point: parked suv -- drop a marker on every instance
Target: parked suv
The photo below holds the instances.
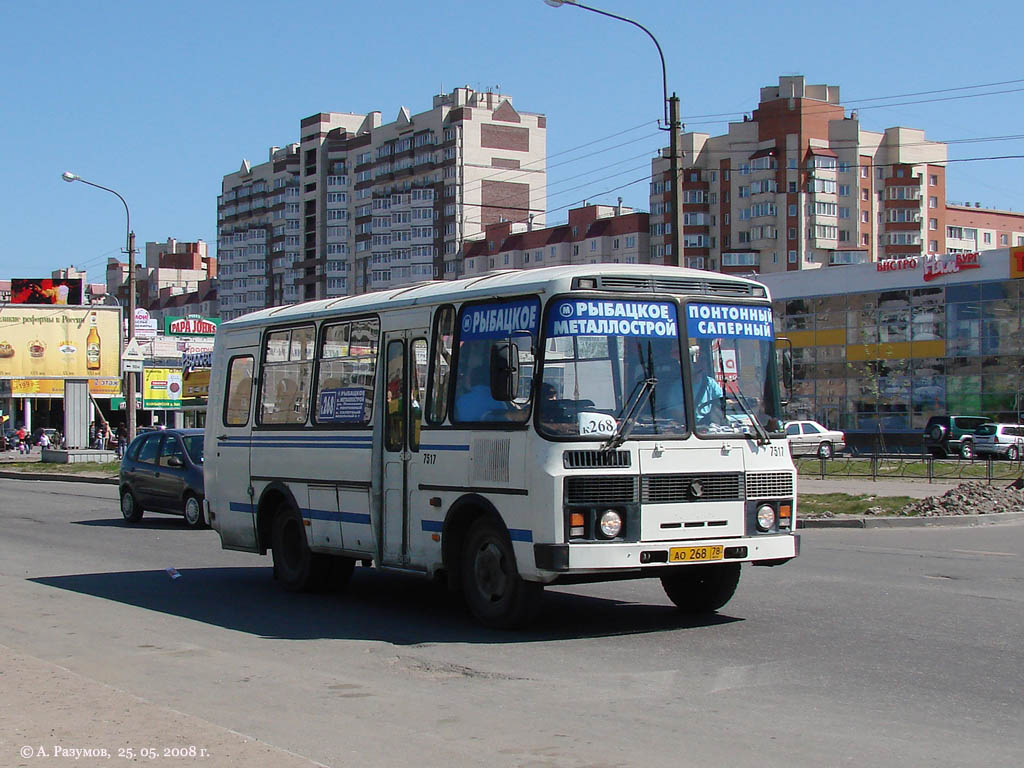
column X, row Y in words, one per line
column 1005, row 440
column 952, row 435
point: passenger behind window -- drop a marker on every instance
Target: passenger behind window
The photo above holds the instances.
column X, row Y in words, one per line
column 475, row 403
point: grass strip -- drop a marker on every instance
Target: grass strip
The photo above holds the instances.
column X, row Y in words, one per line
column 817, row 504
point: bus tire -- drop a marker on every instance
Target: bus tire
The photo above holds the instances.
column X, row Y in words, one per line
column 296, row 568
column 701, row 588
column 495, row 593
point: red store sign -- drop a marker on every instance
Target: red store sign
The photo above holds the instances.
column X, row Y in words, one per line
column 949, row 264
column 934, row 265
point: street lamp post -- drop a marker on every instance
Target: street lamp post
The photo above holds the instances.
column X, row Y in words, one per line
column 673, row 125
column 129, row 406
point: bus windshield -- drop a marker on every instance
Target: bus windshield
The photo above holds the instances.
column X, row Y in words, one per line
column 597, row 356
column 732, row 369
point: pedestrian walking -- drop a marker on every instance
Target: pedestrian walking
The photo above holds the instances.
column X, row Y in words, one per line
column 122, row 440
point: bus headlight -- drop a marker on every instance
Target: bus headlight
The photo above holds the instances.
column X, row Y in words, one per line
column 765, row 517
column 610, row 523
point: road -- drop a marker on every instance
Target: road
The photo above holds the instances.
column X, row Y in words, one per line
column 875, row 647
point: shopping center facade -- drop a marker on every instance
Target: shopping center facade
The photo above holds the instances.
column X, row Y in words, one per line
column 882, row 346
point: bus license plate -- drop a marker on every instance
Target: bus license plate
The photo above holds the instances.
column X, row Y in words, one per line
column 695, row 554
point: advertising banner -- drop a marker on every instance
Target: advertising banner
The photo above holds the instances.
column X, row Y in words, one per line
column 101, row 388
column 1017, row 262
column 59, row 342
column 45, row 290
column 195, row 388
column 161, row 388
column 192, row 325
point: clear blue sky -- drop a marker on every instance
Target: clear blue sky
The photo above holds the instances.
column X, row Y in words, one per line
column 160, row 100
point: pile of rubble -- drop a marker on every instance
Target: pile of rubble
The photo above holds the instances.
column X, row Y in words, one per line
column 965, row 499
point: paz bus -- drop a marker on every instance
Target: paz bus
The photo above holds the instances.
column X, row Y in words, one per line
column 505, row 432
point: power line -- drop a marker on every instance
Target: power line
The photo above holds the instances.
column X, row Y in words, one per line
column 828, row 107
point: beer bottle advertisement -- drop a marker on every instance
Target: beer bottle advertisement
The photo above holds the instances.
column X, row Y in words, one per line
column 38, row 342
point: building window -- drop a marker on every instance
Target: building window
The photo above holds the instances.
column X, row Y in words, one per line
column 792, row 257
column 792, row 209
column 865, row 194
column 933, row 202
column 864, row 171
column 933, row 180
column 1004, row 239
column 933, row 246
column 933, row 224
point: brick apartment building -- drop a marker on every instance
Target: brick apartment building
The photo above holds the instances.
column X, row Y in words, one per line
column 358, row 205
column 801, row 185
column 594, row 234
column 171, row 269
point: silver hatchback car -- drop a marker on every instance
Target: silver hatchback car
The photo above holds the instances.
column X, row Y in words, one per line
column 1005, row 440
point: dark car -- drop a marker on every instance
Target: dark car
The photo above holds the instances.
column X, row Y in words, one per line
column 952, row 435
column 163, row 472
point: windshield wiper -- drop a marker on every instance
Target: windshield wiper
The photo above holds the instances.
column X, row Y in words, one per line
column 763, row 438
column 631, row 409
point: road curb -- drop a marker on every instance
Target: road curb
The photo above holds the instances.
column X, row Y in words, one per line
column 57, row 477
column 912, row 522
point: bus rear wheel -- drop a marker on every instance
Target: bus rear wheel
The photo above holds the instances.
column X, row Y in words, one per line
column 296, row 567
column 701, row 588
column 495, row 593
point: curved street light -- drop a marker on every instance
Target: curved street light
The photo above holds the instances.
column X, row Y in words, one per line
column 129, row 407
column 672, row 122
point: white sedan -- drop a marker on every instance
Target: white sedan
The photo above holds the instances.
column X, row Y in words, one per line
column 811, row 438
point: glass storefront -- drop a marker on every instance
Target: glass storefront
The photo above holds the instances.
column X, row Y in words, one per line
column 890, row 359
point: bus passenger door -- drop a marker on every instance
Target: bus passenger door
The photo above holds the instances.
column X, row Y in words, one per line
column 405, row 378
column 228, row 485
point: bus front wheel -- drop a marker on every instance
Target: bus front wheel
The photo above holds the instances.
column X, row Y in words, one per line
column 701, row 588
column 494, row 591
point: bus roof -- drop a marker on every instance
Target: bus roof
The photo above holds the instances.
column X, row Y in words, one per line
column 634, row 278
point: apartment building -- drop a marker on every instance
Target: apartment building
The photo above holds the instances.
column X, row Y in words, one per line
column 594, row 234
column 360, row 205
column 801, row 185
column 259, row 234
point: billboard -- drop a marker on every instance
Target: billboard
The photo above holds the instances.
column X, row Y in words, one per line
column 60, row 342
column 46, row 290
column 161, row 388
column 101, row 388
column 195, row 388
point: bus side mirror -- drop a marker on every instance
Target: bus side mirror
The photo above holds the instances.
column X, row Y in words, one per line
column 785, row 363
column 504, row 371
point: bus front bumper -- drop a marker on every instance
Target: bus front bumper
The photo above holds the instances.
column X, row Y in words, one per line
column 599, row 557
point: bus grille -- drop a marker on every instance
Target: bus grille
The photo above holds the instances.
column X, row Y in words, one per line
column 769, row 485
column 662, row 489
column 600, row 490
column 588, row 459
column 697, row 286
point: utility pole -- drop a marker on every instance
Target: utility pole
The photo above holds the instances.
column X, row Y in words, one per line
column 675, row 171
column 129, row 405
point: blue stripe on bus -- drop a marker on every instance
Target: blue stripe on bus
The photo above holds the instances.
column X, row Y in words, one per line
column 238, row 506
column 335, row 516
column 520, row 534
column 432, row 525
column 425, row 447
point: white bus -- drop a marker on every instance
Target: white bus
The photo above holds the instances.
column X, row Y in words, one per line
column 523, row 428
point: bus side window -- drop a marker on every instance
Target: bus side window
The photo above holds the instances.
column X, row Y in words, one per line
column 288, row 365
column 239, row 392
column 440, row 365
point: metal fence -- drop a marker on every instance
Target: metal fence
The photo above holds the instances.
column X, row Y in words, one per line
column 896, row 466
